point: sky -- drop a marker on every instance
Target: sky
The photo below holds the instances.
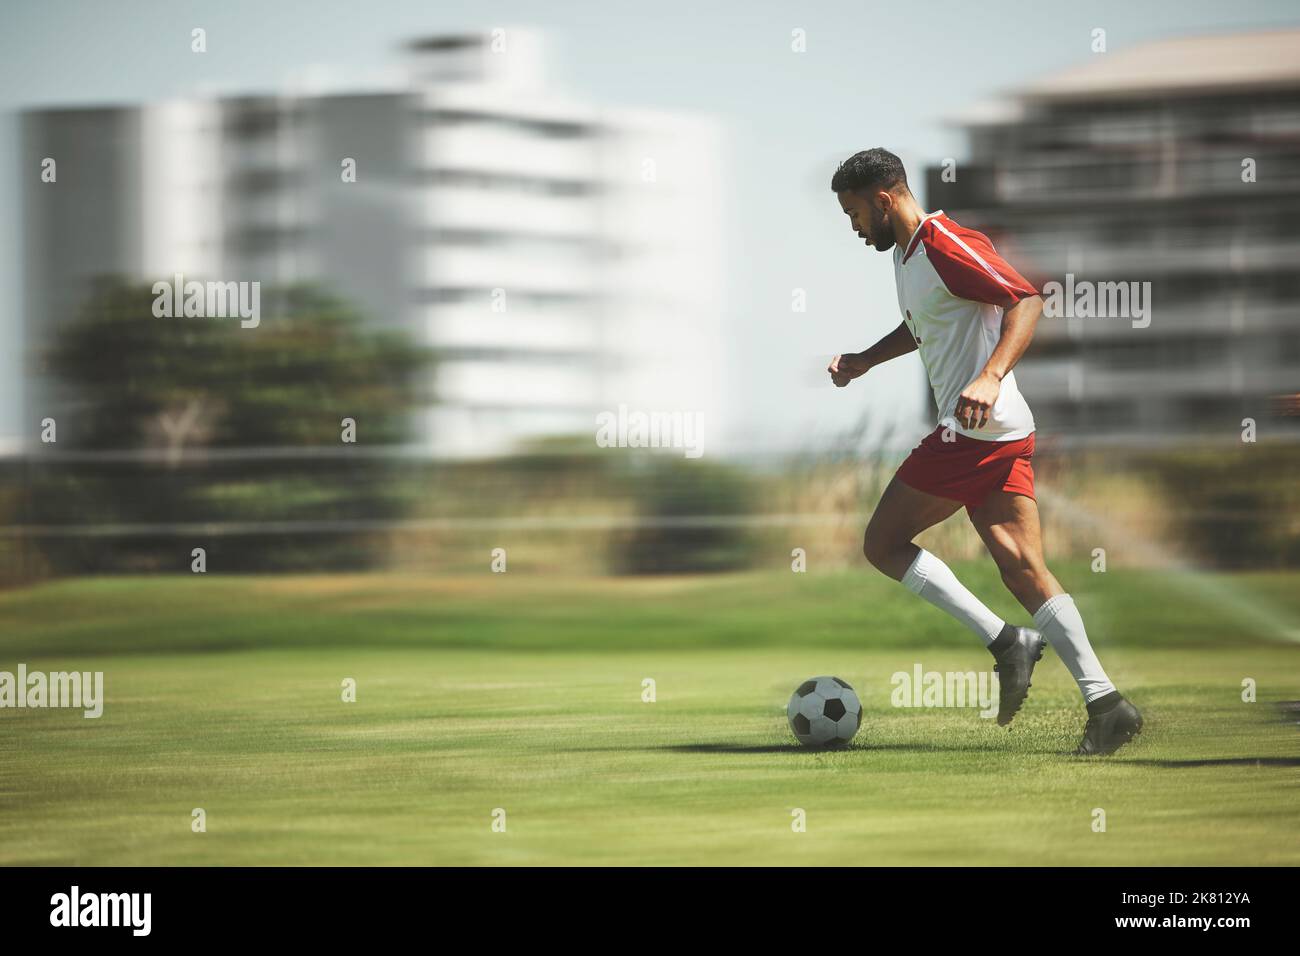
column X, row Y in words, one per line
column 873, row 74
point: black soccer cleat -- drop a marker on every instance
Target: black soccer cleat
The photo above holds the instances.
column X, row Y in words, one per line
column 1106, row 733
column 1014, row 667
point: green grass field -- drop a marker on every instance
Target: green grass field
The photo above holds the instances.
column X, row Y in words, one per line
column 524, row 692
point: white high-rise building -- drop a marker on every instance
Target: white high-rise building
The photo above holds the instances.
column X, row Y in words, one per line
column 561, row 258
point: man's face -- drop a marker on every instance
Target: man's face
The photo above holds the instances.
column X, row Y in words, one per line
column 868, row 219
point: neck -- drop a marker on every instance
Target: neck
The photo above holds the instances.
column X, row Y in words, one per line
column 907, row 216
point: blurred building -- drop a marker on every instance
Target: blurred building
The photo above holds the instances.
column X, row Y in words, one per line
column 562, row 258
column 1130, row 169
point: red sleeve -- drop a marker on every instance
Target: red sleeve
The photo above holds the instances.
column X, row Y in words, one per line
column 970, row 267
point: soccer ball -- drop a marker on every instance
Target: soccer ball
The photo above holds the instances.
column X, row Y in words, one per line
column 824, row 712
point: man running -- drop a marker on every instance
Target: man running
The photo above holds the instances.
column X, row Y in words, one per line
column 970, row 316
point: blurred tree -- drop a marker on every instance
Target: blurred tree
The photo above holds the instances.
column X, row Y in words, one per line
column 1235, row 507
column 274, row 397
column 193, row 383
column 693, row 514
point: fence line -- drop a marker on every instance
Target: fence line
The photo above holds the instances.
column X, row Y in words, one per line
column 516, row 523
column 511, row 523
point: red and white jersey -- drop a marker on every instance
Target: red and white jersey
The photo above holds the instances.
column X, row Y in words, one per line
column 952, row 290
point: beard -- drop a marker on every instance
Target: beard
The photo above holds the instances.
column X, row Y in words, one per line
column 883, row 235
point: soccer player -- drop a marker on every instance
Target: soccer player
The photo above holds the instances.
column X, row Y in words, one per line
column 970, row 316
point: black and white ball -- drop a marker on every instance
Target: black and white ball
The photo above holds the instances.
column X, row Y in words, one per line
column 824, row 712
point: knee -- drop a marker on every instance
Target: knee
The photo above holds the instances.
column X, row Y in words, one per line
column 877, row 548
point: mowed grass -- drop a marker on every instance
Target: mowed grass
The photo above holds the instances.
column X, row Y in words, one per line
column 524, row 692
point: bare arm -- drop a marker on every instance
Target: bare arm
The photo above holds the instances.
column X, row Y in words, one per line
column 975, row 404
column 845, row 368
column 1018, row 324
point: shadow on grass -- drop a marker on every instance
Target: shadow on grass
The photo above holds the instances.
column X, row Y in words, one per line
column 794, row 748
column 722, row 748
column 1223, row 762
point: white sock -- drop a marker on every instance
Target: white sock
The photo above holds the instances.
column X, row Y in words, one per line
column 1060, row 622
column 933, row 580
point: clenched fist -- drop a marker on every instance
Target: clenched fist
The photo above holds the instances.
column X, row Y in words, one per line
column 975, row 404
column 845, row 368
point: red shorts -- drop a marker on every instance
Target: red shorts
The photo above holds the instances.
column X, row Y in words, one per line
column 969, row 469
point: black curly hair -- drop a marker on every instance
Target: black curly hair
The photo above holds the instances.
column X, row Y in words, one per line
column 870, row 169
